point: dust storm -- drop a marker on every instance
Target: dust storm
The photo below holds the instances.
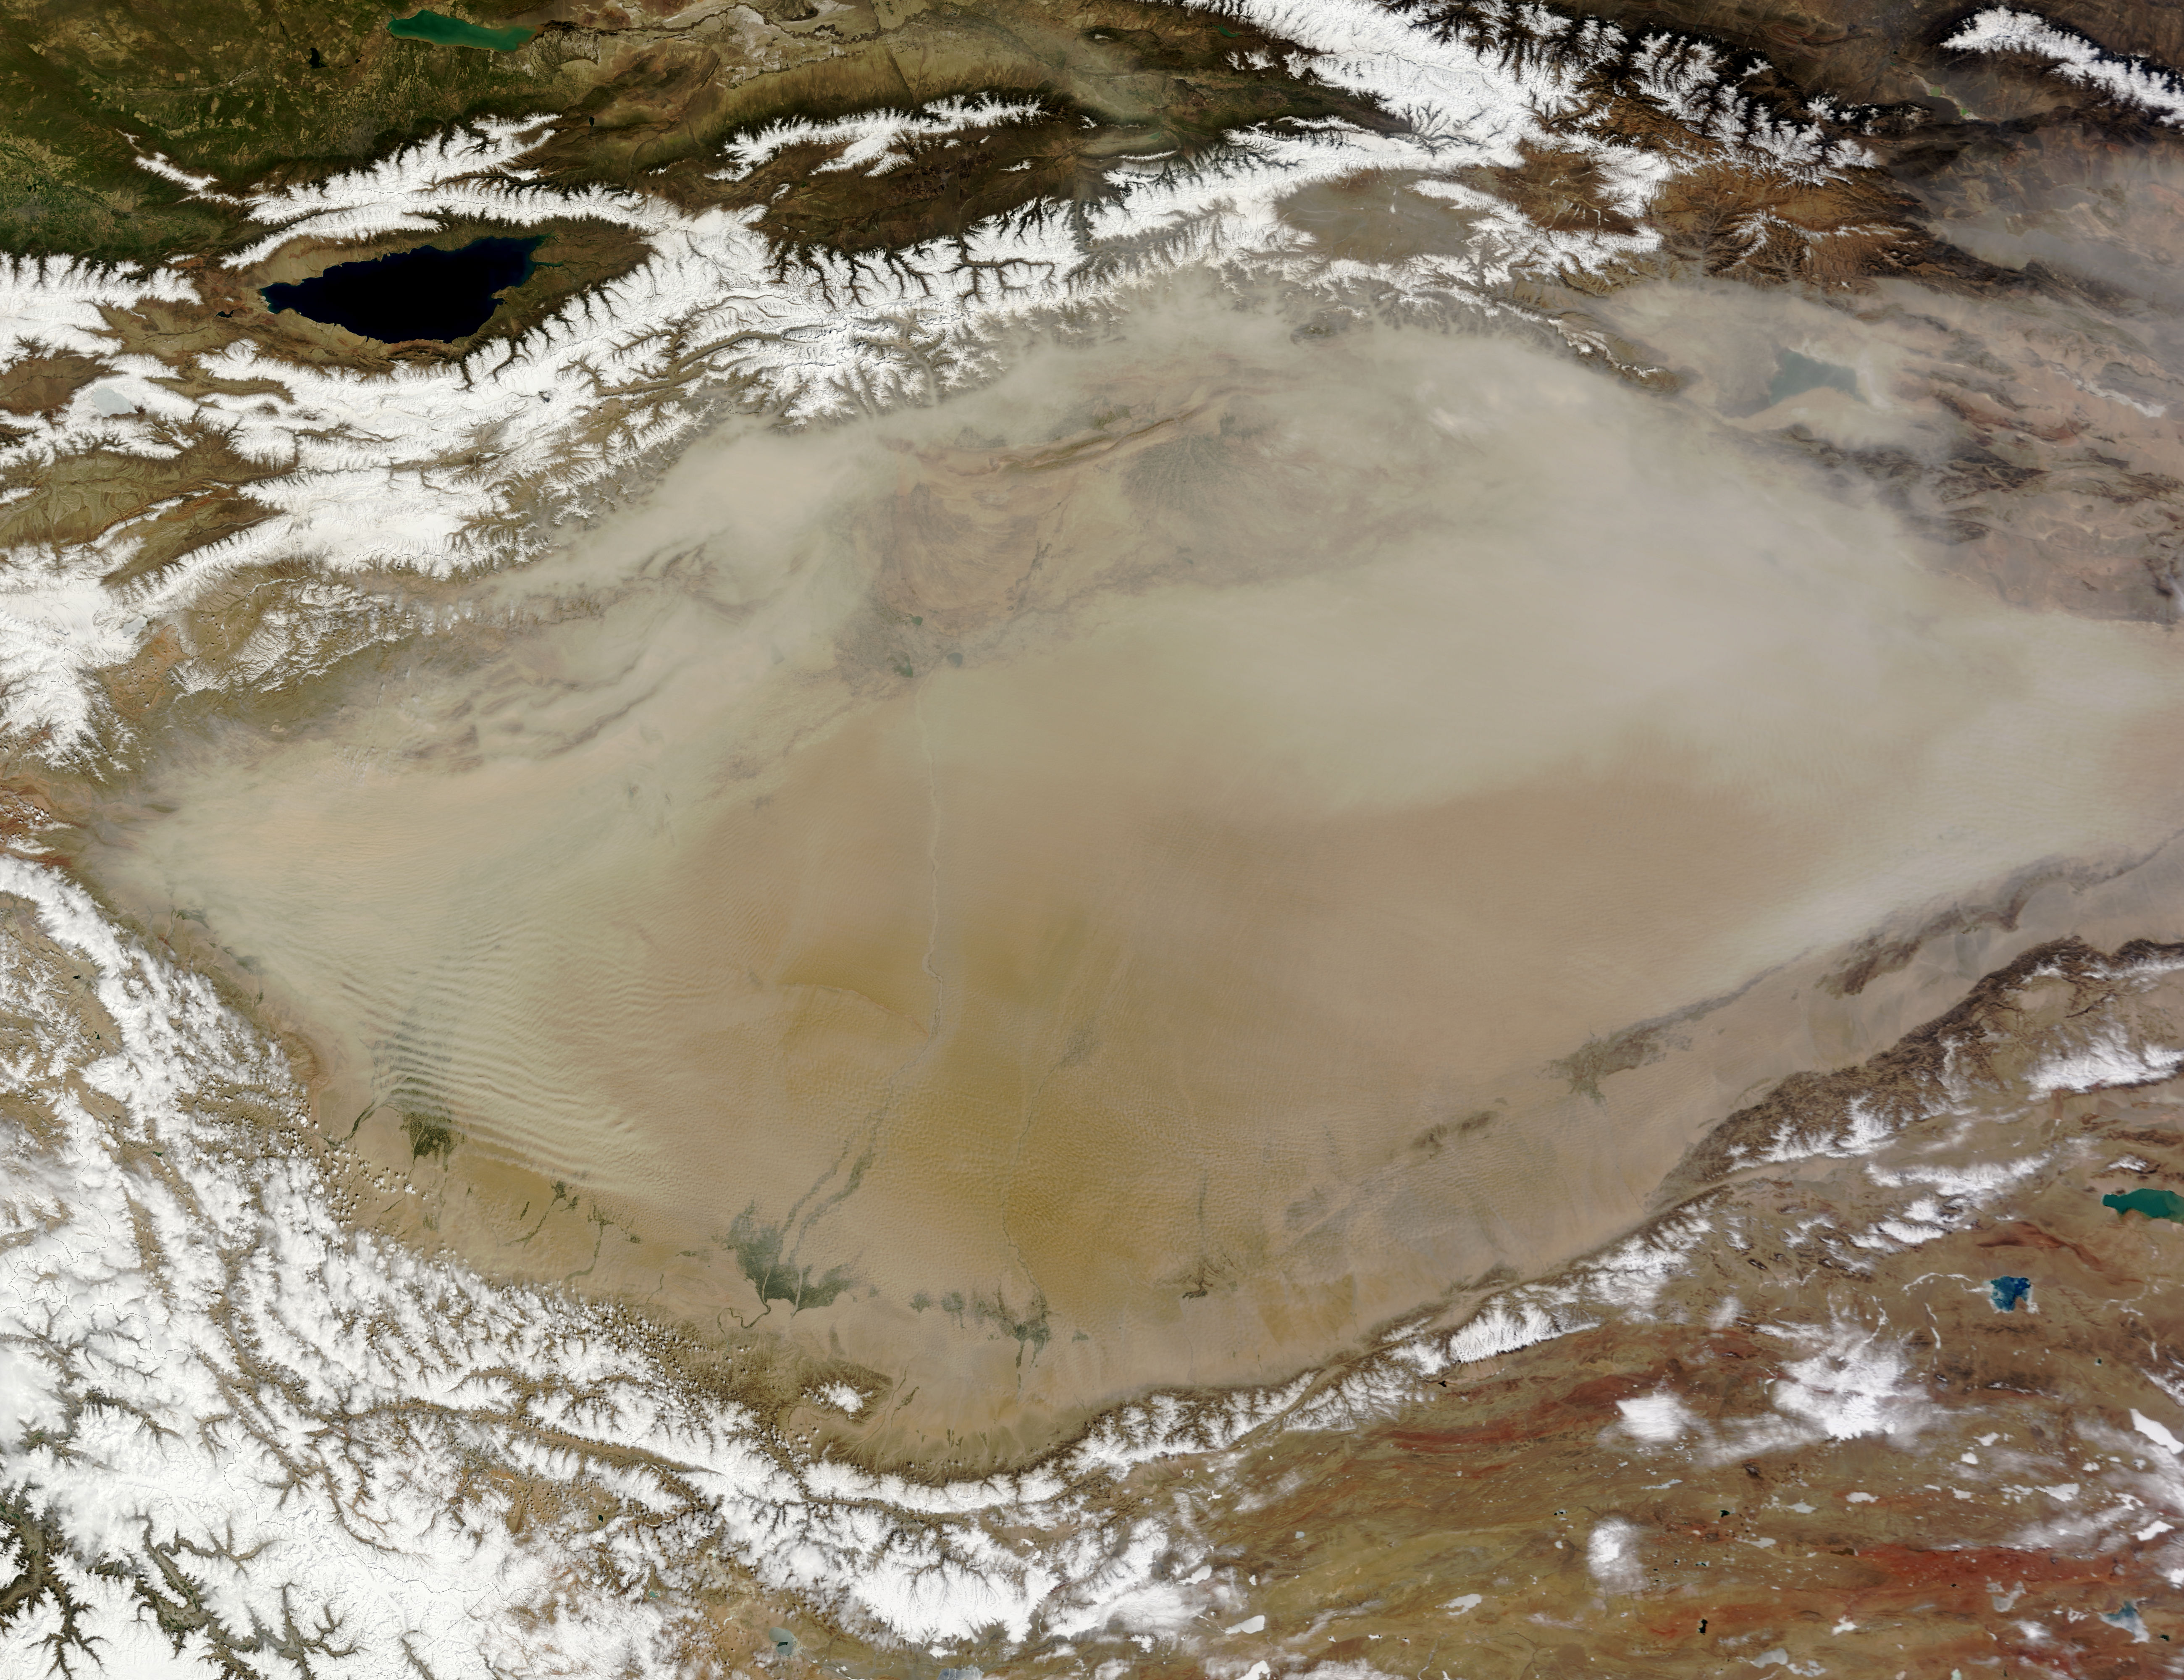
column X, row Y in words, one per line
column 1143, row 873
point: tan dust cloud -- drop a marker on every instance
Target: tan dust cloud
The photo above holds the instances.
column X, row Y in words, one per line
column 1084, row 887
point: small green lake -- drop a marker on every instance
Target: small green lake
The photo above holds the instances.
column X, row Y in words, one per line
column 446, row 32
column 2153, row 1203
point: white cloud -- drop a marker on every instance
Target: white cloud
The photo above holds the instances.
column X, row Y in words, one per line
column 1859, row 1383
column 1611, row 1554
column 1656, row 1419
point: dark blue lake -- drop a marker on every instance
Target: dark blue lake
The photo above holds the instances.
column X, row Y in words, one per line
column 425, row 293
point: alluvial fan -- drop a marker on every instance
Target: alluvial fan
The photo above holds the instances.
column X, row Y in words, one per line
column 1030, row 839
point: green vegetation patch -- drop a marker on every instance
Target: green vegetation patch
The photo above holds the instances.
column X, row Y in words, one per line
column 259, row 98
column 446, row 32
column 764, row 1255
column 430, row 1135
column 247, row 96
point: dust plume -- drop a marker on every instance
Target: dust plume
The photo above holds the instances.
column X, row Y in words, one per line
column 1105, row 881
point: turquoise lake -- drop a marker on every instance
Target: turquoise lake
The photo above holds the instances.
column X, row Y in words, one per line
column 445, row 31
column 2153, row 1203
column 1794, row 374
